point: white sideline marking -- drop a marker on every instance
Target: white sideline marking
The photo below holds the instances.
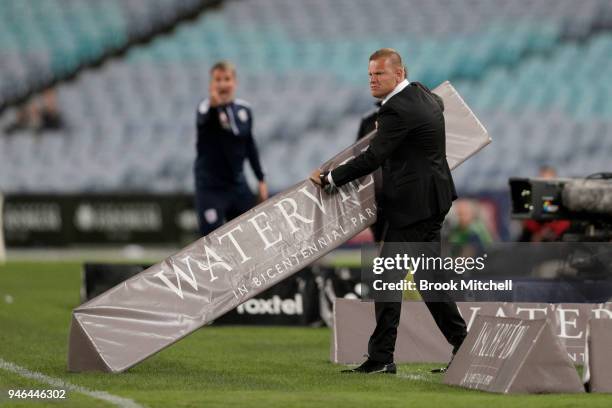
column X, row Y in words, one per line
column 59, row 383
column 413, row 377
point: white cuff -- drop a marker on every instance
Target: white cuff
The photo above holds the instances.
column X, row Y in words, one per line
column 330, row 179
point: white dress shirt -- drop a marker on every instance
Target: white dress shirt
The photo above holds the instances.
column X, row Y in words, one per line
column 399, row 88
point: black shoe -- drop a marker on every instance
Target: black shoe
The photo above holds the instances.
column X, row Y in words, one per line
column 373, row 367
column 444, row 369
column 440, row 370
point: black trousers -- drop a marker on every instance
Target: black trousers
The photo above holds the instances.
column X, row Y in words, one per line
column 443, row 309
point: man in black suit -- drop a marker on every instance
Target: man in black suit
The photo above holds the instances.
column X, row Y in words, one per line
column 417, row 193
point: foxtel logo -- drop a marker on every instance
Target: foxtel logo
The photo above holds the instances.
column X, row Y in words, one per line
column 273, row 306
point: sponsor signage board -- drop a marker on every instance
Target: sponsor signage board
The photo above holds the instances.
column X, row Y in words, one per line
column 354, row 322
column 509, row 355
column 59, row 220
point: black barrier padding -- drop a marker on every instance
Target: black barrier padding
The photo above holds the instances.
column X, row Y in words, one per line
column 66, row 219
column 99, row 277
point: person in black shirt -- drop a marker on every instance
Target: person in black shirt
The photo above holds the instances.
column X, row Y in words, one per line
column 224, row 141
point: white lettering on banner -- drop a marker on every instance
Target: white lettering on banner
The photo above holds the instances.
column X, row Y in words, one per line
column 474, row 311
column 260, row 230
column 272, row 306
column 344, row 190
column 370, row 178
column 598, row 313
column 362, row 186
column 242, row 290
column 32, row 217
column 318, row 202
column 475, row 380
column 209, row 252
column 288, row 208
column 564, row 322
column 362, row 219
column 500, row 313
column 294, row 213
column 576, row 357
column 499, row 340
column 112, row 217
column 231, row 237
column 190, row 279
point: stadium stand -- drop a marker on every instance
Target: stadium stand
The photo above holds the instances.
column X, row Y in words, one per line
column 538, row 73
column 42, row 41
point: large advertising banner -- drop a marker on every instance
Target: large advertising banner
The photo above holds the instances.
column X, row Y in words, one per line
column 509, row 355
column 419, row 340
column 239, row 260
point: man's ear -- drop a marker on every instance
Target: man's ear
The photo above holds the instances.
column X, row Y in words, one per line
column 399, row 74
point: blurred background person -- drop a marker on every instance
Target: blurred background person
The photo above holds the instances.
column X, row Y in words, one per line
column 40, row 114
column 468, row 235
column 26, row 118
column 50, row 116
column 224, row 141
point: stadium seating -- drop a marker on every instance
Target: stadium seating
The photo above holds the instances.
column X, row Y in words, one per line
column 44, row 39
column 537, row 73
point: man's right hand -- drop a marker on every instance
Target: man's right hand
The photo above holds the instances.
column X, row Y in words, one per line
column 315, row 177
column 262, row 193
column 213, row 96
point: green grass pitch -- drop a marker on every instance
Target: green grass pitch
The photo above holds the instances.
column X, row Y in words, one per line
column 215, row 367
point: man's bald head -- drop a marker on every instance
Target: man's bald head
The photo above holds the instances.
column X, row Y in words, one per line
column 385, row 70
column 396, row 58
column 389, row 53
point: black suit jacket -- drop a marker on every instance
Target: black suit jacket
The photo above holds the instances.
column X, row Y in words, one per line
column 411, row 148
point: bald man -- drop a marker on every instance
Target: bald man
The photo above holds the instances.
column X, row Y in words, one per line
column 417, row 193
